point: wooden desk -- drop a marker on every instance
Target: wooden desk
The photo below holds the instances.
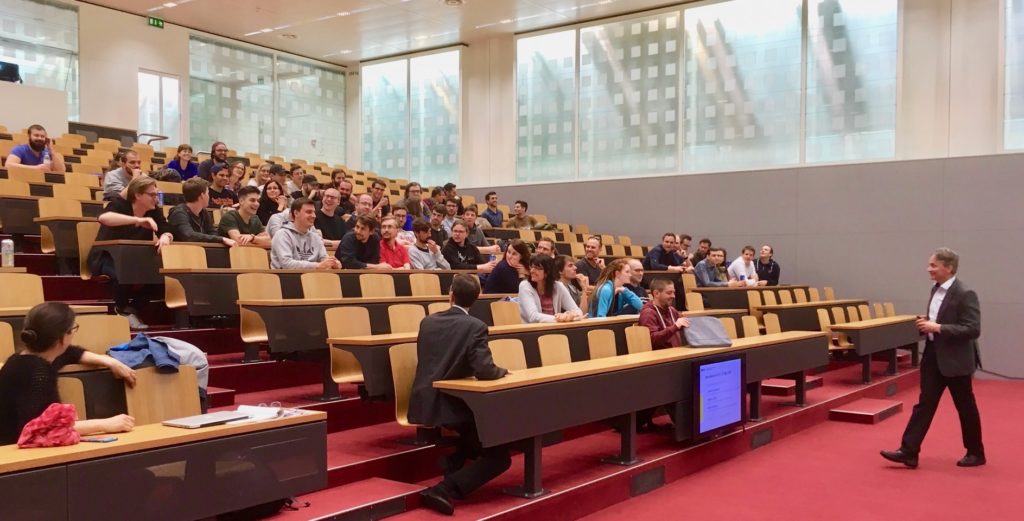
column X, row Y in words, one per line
column 214, row 291
column 16, row 318
column 14, row 269
column 298, row 325
column 136, row 262
column 530, row 403
column 372, row 351
column 18, row 214
column 882, row 334
column 804, row 316
column 737, row 297
column 207, row 471
column 65, row 238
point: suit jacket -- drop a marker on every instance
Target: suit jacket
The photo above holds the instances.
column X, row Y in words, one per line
column 450, row 345
column 956, row 345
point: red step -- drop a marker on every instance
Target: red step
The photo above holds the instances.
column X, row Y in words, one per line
column 38, row 263
column 787, row 387
column 373, row 498
column 212, row 340
column 865, row 410
column 219, row 397
column 72, row 287
column 261, row 377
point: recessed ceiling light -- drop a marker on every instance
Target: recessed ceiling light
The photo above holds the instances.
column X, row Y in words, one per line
column 289, row 36
column 453, row 3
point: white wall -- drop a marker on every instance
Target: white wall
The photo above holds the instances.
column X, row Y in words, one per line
column 35, row 106
column 113, row 47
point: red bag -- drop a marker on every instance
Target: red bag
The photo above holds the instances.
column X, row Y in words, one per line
column 54, row 428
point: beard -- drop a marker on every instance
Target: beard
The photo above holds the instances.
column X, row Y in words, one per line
column 37, row 145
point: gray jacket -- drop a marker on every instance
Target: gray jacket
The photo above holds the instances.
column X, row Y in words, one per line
column 114, row 182
column 529, row 302
column 278, row 220
column 425, row 260
column 291, row 249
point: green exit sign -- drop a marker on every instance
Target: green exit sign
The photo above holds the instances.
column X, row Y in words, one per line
column 155, row 22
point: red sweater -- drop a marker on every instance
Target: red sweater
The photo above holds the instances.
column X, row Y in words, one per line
column 662, row 323
column 396, row 257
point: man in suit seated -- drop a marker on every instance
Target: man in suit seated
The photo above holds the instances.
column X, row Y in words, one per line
column 951, row 329
column 453, row 345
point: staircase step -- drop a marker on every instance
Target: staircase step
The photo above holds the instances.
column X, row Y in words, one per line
column 220, row 397
column 261, row 377
column 786, row 387
column 38, row 263
column 865, row 410
column 72, row 287
column 212, row 340
column 373, row 498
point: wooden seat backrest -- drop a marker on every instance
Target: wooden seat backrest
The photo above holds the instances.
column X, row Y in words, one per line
column 321, row 285
column 508, row 353
column 554, row 349
column 345, row 321
column 601, row 343
column 403, row 372
column 405, row 318
column 160, row 396
column 638, row 339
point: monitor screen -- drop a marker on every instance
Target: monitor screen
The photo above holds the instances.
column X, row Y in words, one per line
column 720, row 402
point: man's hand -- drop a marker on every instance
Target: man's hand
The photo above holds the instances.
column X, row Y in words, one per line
column 432, row 246
column 600, row 263
column 244, row 239
column 230, row 243
column 164, row 240
column 682, row 322
column 487, row 267
column 328, row 264
column 762, row 283
column 146, row 222
column 927, row 326
column 676, row 268
column 736, row 283
column 382, row 266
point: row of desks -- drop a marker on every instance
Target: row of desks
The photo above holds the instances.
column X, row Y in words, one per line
column 157, row 472
column 725, row 297
column 527, row 404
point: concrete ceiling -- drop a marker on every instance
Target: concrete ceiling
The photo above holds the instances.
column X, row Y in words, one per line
column 348, row 31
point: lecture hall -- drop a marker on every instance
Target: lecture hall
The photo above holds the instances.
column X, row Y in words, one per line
column 510, row 259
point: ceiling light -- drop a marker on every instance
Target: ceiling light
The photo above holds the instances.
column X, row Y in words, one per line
column 343, row 13
column 506, row 21
column 289, row 36
column 453, row 3
column 170, row 5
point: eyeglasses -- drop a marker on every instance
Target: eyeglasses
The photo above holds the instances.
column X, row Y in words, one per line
column 151, row 194
column 74, row 329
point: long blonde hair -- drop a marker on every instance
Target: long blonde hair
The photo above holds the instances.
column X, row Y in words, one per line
column 608, row 274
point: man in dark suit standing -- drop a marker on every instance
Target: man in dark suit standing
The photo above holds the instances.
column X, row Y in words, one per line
column 950, row 357
column 453, row 345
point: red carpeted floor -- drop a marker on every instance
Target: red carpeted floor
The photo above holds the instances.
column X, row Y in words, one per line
column 833, row 471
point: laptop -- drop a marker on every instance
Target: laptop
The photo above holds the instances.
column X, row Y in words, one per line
column 206, row 420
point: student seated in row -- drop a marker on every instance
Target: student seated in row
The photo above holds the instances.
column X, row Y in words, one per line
column 242, row 225
column 190, row 222
column 297, row 245
column 28, row 380
column 610, row 296
column 542, row 298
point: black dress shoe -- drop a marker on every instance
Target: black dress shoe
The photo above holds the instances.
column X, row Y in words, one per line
column 971, row 460
column 435, row 498
column 899, row 456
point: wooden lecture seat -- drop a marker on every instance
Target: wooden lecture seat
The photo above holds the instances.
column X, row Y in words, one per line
column 318, row 284
column 601, row 343
column 638, row 339
column 508, row 353
column 163, row 396
column 347, row 321
column 505, row 313
column 554, row 349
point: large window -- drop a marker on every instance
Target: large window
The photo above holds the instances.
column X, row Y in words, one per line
column 727, row 85
column 1013, row 103
column 742, row 84
column 851, row 79
column 263, row 103
column 41, row 39
column 160, row 107
column 546, row 97
column 411, row 117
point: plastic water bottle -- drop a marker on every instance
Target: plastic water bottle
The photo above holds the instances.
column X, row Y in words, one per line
column 7, row 248
column 160, row 198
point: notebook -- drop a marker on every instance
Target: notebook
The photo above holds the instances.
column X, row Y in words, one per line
column 206, row 420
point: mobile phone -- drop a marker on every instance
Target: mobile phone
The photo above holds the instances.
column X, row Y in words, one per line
column 99, row 439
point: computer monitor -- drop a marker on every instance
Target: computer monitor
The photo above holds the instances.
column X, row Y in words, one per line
column 719, row 395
